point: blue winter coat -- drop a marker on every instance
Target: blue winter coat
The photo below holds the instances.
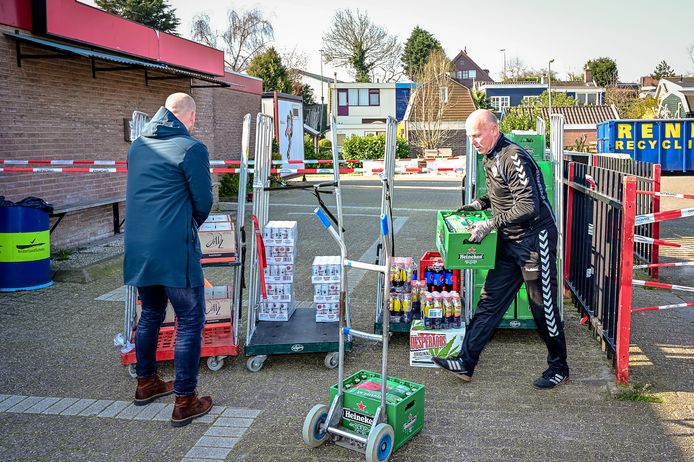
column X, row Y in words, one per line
column 169, row 195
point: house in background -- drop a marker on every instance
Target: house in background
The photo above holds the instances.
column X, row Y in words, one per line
column 320, row 84
column 457, row 104
column 675, row 97
column 467, row 72
column 504, row 95
column 580, row 122
column 362, row 108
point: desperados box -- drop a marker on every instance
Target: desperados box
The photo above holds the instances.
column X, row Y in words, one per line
column 452, row 241
column 404, row 404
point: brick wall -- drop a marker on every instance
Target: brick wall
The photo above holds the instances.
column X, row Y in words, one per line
column 54, row 109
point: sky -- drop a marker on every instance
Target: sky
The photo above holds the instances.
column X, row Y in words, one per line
column 637, row 34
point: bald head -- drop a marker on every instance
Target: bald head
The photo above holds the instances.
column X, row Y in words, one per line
column 182, row 106
column 482, row 127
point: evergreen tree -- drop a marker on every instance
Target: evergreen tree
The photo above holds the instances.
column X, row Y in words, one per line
column 418, row 47
column 153, row 13
column 268, row 66
column 604, row 71
column 662, row 70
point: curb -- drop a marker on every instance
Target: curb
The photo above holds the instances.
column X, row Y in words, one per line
column 91, row 272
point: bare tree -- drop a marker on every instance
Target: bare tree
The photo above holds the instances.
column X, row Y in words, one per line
column 355, row 42
column 247, row 33
column 391, row 70
column 514, row 69
column 430, row 101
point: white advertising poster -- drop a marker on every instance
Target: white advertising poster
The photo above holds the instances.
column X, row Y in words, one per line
column 291, row 129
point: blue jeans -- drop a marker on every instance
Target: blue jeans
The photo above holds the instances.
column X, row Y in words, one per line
column 189, row 305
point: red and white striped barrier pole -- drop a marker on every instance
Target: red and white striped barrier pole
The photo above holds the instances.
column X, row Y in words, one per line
column 667, row 194
column 625, row 289
column 650, row 240
column 62, row 162
column 662, row 285
column 663, row 307
column 63, row 169
column 663, row 216
column 664, row 265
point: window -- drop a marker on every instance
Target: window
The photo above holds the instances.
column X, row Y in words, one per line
column 500, row 102
column 585, row 99
column 364, row 97
column 465, row 75
column 342, row 98
column 443, row 94
column 374, row 97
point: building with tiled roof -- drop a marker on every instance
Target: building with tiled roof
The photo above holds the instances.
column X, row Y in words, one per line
column 467, row 72
column 675, row 97
column 579, row 121
column 454, row 111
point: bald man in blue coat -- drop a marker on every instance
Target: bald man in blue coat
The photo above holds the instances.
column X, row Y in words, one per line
column 169, row 195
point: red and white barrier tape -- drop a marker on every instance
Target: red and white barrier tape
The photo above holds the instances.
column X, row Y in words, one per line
column 63, row 162
column 666, row 194
column 650, row 240
column 662, row 285
column 232, row 170
column 663, row 307
column 663, row 265
column 123, row 162
column 63, row 170
column 663, row 216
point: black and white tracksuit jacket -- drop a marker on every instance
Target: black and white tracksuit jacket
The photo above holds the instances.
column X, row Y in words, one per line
column 526, row 253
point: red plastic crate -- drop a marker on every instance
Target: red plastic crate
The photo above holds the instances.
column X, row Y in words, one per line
column 428, row 259
column 217, row 340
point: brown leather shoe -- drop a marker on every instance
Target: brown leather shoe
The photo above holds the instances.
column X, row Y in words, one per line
column 188, row 408
column 151, row 388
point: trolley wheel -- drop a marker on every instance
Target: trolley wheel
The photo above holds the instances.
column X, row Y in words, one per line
column 255, row 363
column 132, row 370
column 313, row 436
column 379, row 445
column 331, row 360
column 215, row 363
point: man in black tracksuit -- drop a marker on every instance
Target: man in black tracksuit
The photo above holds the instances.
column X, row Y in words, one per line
column 526, row 251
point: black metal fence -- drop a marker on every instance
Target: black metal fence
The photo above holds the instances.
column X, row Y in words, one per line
column 593, row 245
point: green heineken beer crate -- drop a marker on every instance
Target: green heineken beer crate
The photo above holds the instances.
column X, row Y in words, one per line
column 404, row 405
column 452, row 241
column 533, row 143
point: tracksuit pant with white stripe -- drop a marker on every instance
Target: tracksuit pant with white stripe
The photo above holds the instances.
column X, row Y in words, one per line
column 533, row 260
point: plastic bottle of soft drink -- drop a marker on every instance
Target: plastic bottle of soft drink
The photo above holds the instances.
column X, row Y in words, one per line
column 397, row 309
column 416, row 300
column 457, row 309
column 447, row 310
column 428, row 306
column 406, row 308
column 437, row 311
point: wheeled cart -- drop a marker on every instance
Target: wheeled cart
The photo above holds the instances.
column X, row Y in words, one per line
column 369, row 412
column 220, row 338
column 301, row 333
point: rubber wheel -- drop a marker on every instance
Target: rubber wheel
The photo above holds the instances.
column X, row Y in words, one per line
column 331, row 360
column 255, row 363
column 313, row 437
column 132, row 370
column 379, row 445
column 215, row 363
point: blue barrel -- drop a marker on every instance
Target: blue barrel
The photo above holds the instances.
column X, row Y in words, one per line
column 25, row 249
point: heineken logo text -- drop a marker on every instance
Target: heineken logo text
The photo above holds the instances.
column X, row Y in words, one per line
column 357, row 416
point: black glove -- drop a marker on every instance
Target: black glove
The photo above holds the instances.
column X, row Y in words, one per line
column 471, row 207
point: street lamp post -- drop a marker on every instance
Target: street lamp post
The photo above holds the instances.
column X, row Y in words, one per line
column 504, row 51
column 320, row 121
column 549, row 84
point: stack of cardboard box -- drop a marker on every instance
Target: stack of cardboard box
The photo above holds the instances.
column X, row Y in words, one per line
column 280, row 253
column 326, row 287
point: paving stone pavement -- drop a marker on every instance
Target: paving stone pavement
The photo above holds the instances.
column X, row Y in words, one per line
column 65, row 395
